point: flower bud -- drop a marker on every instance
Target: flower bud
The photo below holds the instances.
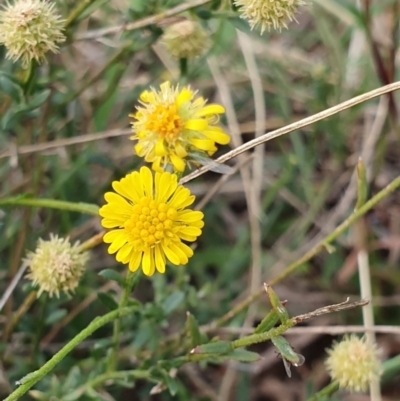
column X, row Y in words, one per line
column 353, row 363
column 56, row 265
column 186, row 39
column 29, row 29
column 268, row 13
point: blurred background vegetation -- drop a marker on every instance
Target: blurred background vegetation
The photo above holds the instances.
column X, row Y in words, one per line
column 64, row 135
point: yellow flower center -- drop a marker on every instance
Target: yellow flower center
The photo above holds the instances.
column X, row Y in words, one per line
column 150, row 222
column 165, row 122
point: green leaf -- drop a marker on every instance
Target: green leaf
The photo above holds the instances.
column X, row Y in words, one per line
column 277, row 304
column 55, row 316
column 107, row 300
column 172, row 302
column 11, row 87
column 80, row 207
column 267, row 323
column 171, row 383
column 37, row 100
column 113, row 275
column 192, row 328
column 242, row 355
column 239, row 24
column 218, row 347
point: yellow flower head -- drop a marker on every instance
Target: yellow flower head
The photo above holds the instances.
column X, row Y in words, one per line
column 149, row 219
column 353, row 363
column 172, row 126
column 56, row 265
column 268, row 13
column 186, row 39
column 29, row 29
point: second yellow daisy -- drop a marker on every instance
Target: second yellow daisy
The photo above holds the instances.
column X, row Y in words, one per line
column 171, row 125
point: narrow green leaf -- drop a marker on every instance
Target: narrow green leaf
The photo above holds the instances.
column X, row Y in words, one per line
column 277, row 304
column 267, row 323
column 11, row 87
column 218, row 348
column 242, row 355
column 172, row 302
column 192, row 328
column 107, row 300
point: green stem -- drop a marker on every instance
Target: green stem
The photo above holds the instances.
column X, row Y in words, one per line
column 130, row 281
column 77, row 11
column 330, row 389
column 79, row 207
column 31, row 379
column 313, row 251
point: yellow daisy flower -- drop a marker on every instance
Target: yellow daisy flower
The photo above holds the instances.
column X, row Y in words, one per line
column 149, row 219
column 172, row 126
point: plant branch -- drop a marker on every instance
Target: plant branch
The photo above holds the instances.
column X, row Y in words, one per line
column 313, row 251
column 31, row 379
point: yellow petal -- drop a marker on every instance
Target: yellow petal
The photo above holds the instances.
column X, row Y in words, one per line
column 111, row 223
column 203, row 144
column 190, row 230
column 210, row 109
column 184, row 96
column 148, row 263
column 172, row 256
column 189, row 216
column 139, row 149
column 159, row 259
column 183, row 259
column 134, row 263
column 160, row 149
column 217, row 135
column 188, row 238
column 112, row 235
column 186, row 249
column 178, row 163
column 180, row 151
column 156, row 165
column 146, row 176
column 181, row 198
column 123, row 254
column 118, row 243
column 196, row 124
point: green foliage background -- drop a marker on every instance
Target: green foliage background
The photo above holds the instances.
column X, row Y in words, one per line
column 64, row 136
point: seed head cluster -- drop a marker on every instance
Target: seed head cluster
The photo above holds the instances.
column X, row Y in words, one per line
column 29, row 29
column 353, row 363
column 186, row 39
column 56, row 265
column 268, row 13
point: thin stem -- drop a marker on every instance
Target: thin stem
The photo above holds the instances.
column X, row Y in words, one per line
column 153, row 19
column 293, row 127
column 130, row 281
column 31, row 379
